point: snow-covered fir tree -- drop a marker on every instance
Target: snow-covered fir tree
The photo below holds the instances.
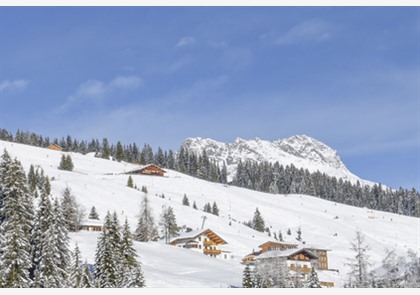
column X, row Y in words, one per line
column 169, row 227
column 76, row 270
column 46, row 251
column 215, row 209
column 93, row 214
column 17, row 221
column 247, row 278
column 146, row 228
column 72, row 211
column 131, row 274
column 107, row 255
column 87, row 280
column 358, row 275
column 257, row 222
column 185, row 200
column 130, row 182
column 313, row 280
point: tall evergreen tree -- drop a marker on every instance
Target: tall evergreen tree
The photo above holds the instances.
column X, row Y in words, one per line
column 17, row 215
column 313, row 280
column 168, row 224
column 131, row 273
column 358, row 276
column 106, row 153
column 76, row 270
column 257, row 222
column 119, row 156
column 72, row 211
column 93, row 214
column 215, row 209
column 185, row 200
column 107, row 255
column 146, row 229
column 130, row 182
column 247, row 280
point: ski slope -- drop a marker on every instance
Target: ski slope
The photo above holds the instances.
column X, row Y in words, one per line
column 98, row 182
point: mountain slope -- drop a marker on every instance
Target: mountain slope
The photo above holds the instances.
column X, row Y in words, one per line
column 97, row 182
column 302, row 151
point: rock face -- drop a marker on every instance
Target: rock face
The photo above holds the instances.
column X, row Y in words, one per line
column 300, row 150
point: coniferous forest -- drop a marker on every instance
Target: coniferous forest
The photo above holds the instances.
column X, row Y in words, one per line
column 266, row 177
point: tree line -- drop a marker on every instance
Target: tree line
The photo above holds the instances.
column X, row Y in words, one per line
column 279, row 179
column 199, row 166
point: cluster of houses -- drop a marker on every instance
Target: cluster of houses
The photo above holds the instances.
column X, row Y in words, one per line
column 300, row 258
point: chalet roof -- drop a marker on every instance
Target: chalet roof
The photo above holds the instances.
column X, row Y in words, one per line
column 279, row 243
column 194, row 234
column 287, row 253
column 91, row 222
column 314, row 247
column 143, row 167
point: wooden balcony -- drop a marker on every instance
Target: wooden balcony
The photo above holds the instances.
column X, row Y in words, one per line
column 212, row 252
column 209, row 243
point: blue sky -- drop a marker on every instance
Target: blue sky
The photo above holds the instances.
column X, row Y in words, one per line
column 347, row 76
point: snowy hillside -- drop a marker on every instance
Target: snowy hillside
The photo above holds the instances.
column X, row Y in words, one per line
column 302, row 151
column 97, row 182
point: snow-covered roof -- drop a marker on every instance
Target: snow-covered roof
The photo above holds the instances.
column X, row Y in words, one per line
column 193, row 234
column 286, row 253
column 314, row 247
column 92, row 222
column 143, row 167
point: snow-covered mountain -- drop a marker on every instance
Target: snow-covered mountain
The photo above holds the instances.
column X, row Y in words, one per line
column 98, row 182
column 300, row 150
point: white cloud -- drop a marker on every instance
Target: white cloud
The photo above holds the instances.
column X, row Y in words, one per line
column 15, row 85
column 94, row 90
column 310, row 30
column 185, row 41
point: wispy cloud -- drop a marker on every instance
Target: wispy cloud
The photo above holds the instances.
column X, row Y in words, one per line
column 94, row 90
column 186, row 41
column 12, row 86
column 308, row 31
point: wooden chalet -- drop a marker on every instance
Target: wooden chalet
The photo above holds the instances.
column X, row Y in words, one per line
column 55, row 147
column 150, row 169
column 93, row 225
column 322, row 254
column 203, row 241
column 301, row 258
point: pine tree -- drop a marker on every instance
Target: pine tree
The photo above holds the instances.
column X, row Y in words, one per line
column 86, row 280
column 131, row 273
column 62, row 239
column 207, row 208
column 185, row 201
column 299, row 234
column 120, row 152
column 168, row 224
column 72, row 212
column 313, row 280
column 195, row 206
column 130, row 182
column 258, row 222
column 215, row 209
column 146, row 229
column 144, row 189
column 69, row 163
column 247, row 281
column 93, row 214
column 105, row 149
column 289, row 232
column 107, row 255
column 76, row 270
column 281, row 236
column 46, row 251
column 358, row 276
column 17, row 214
